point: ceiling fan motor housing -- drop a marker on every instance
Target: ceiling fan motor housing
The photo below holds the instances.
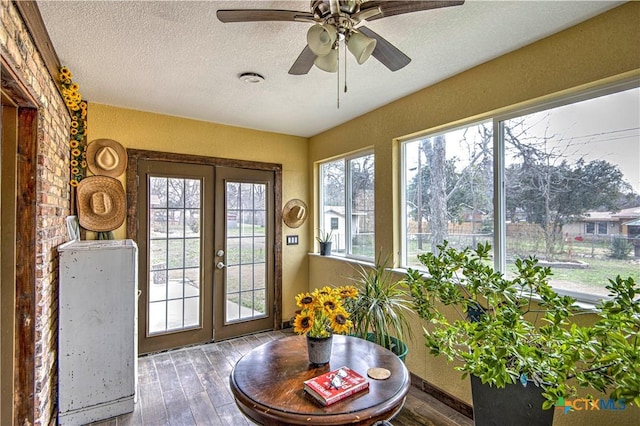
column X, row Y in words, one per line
column 322, row 8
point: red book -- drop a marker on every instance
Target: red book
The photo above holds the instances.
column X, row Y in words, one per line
column 335, row 385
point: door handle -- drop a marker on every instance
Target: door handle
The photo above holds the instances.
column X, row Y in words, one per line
column 220, row 265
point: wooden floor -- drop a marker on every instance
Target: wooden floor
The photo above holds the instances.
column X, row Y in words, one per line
column 191, row 387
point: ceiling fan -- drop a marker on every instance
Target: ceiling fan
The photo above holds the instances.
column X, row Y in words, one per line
column 338, row 21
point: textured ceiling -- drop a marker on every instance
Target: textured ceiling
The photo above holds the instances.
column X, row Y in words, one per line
column 176, row 58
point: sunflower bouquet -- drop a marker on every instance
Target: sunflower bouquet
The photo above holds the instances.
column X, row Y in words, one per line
column 323, row 312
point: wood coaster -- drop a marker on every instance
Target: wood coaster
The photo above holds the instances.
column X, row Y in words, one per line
column 378, row 373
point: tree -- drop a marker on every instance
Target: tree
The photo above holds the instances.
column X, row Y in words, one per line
column 428, row 189
column 549, row 188
column 362, row 178
column 333, row 183
column 362, row 181
column 444, row 190
column 171, row 197
column 437, row 194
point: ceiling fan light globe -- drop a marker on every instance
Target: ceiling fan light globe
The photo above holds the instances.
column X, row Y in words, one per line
column 328, row 62
column 321, row 38
column 361, row 46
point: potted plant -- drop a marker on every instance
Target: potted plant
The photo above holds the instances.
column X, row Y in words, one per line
column 322, row 313
column 324, row 238
column 380, row 310
column 513, row 334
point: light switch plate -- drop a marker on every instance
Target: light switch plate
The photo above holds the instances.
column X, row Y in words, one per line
column 292, row 240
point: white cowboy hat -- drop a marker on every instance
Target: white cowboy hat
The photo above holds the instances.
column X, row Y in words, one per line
column 106, row 157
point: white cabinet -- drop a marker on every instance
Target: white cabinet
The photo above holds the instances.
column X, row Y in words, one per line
column 97, row 349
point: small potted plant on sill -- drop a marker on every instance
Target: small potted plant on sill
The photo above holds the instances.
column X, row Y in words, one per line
column 325, row 239
column 516, row 335
column 322, row 314
column 380, row 310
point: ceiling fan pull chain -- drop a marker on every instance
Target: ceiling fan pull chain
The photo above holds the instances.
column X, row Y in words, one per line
column 338, row 76
column 345, row 70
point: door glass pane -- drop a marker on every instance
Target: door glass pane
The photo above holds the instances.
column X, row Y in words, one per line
column 174, row 255
column 245, row 247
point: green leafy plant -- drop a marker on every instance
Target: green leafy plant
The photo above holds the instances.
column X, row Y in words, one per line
column 380, row 310
column 519, row 329
column 611, row 347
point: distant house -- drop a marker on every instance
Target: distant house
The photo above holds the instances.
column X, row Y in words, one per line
column 334, row 221
column 625, row 222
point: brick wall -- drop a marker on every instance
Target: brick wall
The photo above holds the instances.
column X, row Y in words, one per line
column 53, row 200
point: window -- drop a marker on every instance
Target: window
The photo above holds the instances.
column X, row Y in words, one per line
column 556, row 166
column 347, row 200
column 448, row 181
column 602, row 228
column 563, row 164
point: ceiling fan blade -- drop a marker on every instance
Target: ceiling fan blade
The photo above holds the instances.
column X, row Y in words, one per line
column 393, row 7
column 303, row 64
column 390, row 56
column 256, row 15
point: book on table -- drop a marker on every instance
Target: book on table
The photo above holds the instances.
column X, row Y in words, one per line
column 335, row 385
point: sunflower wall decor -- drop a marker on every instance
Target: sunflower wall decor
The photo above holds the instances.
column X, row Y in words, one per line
column 78, row 130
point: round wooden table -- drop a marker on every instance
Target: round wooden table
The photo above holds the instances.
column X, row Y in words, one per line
column 267, row 383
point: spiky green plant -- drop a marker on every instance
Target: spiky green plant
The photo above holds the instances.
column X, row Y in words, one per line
column 381, row 309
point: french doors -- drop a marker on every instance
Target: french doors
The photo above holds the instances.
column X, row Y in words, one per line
column 206, row 239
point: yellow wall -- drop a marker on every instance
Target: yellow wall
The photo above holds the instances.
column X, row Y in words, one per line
column 144, row 130
column 605, row 48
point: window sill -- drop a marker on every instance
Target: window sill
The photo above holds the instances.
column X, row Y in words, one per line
column 584, row 301
column 353, row 260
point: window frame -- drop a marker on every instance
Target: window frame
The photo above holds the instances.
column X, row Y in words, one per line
column 499, row 201
column 348, row 202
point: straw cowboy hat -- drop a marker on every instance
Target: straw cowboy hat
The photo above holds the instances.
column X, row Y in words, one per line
column 101, row 203
column 294, row 213
column 106, row 157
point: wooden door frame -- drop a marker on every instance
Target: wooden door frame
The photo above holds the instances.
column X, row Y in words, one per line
column 24, row 290
column 135, row 155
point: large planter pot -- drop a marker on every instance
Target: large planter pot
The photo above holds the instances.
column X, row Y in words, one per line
column 512, row 405
column 398, row 347
column 319, row 350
